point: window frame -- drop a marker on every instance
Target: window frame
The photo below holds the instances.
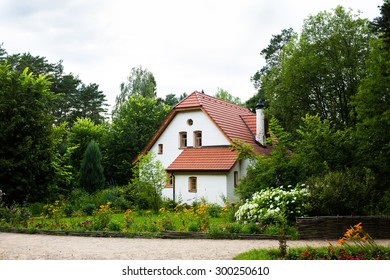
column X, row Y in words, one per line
column 198, row 139
column 160, row 149
column 193, row 184
column 183, row 136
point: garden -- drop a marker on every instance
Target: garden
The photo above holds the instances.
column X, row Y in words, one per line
column 112, row 210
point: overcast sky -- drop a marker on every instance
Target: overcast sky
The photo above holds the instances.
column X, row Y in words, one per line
column 187, row 45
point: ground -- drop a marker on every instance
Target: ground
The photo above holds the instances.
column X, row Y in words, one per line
column 16, row 246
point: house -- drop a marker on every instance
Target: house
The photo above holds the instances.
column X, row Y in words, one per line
column 194, row 145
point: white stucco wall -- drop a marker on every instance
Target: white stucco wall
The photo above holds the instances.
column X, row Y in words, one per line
column 209, row 186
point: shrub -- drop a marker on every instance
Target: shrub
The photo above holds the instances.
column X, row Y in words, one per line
column 214, row 210
column 268, row 205
column 88, row 209
column 342, row 193
column 91, row 171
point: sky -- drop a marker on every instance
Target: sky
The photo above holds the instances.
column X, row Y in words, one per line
column 187, row 45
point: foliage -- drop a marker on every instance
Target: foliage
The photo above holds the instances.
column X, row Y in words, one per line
column 269, row 206
column 225, row 95
column 140, row 82
column 356, row 244
column 319, row 146
column 91, row 171
column 133, row 125
column 320, row 70
column 83, row 131
column 26, row 141
column 373, row 112
column 344, row 192
column 102, row 217
column 150, row 176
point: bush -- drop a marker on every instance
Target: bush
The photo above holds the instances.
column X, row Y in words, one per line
column 342, row 193
column 88, row 209
column 214, row 210
column 268, row 205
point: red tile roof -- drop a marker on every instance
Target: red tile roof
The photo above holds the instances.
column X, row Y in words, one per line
column 204, row 159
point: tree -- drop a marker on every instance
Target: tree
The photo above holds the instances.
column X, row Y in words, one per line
column 132, row 126
column 373, row 113
column 140, row 82
column 150, row 176
column 89, row 102
column 272, row 55
column 80, row 135
column 225, row 95
column 26, row 128
column 320, row 70
column 73, row 98
column 91, row 171
column 381, row 24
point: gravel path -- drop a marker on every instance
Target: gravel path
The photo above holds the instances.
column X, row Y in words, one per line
column 16, row 246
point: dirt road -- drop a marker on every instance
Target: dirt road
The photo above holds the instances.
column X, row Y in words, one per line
column 15, row 246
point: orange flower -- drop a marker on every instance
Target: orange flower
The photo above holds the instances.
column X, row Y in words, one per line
column 340, row 241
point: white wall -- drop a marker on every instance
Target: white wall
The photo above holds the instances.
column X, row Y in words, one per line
column 210, row 186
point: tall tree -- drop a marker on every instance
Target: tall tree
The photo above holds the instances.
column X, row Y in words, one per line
column 91, row 171
column 25, row 138
column 382, row 24
column 320, row 70
column 132, row 126
column 80, row 135
column 225, row 95
column 140, row 82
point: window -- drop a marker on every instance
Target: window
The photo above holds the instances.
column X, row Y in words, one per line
column 192, row 184
column 169, row 181
column 235, row 178
column 183, row 139
column 160, row 149
column 198, row 139
column 190, row 122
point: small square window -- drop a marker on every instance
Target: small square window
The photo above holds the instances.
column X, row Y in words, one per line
column 160, row 149
column 192, row 184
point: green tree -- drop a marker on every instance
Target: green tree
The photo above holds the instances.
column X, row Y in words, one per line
column 225, row 95
column 91, row 171
column 320, row 70
column 132, row 126
column 150, row 176
column 140, row 82
column 373, row 112
column 80, row 135
column 73, row 98
column 26, row 127
column 381, row 24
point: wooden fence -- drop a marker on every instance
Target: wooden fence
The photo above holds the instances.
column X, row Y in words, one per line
column 334, row 227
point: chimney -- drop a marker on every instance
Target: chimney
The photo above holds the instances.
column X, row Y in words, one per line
column 260, row 125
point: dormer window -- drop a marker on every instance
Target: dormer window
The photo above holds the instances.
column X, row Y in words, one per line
column 198, row 139
column 183, row 139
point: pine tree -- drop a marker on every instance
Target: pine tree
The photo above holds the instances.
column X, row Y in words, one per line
column 91, row 171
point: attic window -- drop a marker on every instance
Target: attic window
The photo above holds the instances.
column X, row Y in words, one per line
column 198, row 139
column 183, row 139
column 190, row 122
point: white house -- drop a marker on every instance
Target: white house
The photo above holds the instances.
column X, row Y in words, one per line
column 194, row 145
